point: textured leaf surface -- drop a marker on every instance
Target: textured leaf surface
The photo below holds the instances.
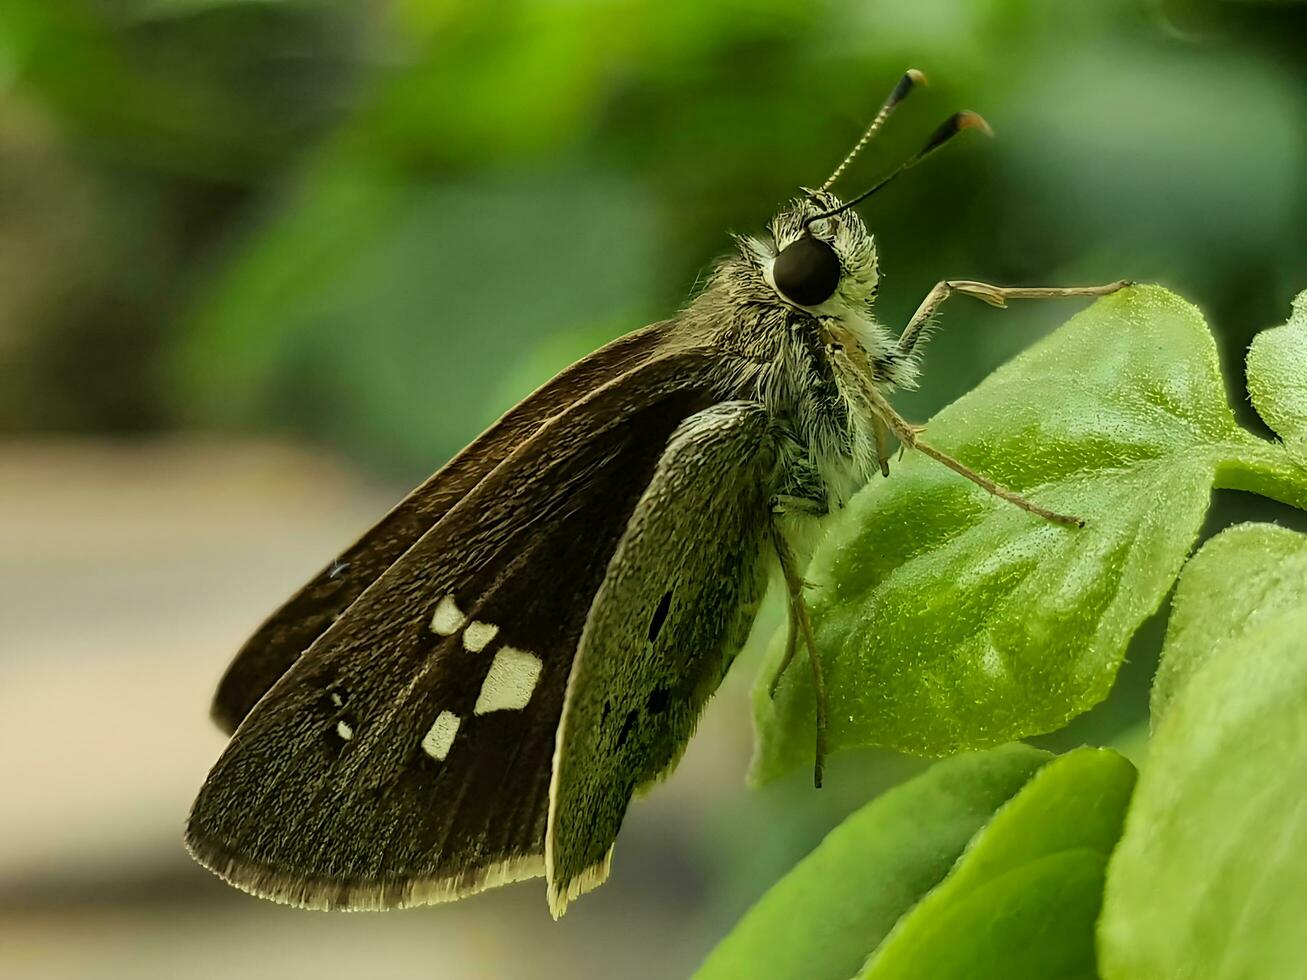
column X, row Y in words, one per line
column 948, row 619
column 1240, row 579
column 821, row 920
column 1023, row 900
column 1277, row 376
column 1210, row 879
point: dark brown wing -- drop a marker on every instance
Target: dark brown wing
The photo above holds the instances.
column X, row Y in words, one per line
column 406, row 757
column 289, row 631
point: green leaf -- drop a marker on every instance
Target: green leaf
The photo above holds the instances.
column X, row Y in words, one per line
column 821, row 920
column 1023, row 899
column 1210, row 879
column 947, row 619
column 1242, row 577
column 1277, row 376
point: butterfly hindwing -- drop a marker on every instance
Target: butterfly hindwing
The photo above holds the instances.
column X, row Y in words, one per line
column 674, row 609
column 292, row 628
column 406, row 756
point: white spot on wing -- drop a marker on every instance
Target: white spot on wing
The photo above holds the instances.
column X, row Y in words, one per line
column 344, row 731
column 477, row 635
column 512, row 679
column 336, row 699
column 448, row 619
column 440, row 737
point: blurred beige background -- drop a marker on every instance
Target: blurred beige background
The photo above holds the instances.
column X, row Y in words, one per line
column 131, row 575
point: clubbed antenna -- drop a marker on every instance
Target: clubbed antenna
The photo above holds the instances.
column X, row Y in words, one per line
column 910, row 80
column 951, row 126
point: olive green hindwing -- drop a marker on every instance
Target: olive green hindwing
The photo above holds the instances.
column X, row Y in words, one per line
column 675, row 607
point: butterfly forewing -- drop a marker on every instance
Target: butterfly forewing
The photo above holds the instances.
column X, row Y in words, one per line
column 406, row 756
column 289, row 631
column 674, row 609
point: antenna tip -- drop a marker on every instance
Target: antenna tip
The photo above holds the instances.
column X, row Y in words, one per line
column 973, row 120
column 910, row 80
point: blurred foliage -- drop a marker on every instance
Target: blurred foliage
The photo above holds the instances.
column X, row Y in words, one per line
column 354, row 221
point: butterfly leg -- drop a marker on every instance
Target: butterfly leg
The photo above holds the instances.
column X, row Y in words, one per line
column 791, row 643
column 800, row 622
column 850, row 362
column 916, row 329
column 910, row 437
column 993, row 295
column 792, row 504
column 803, row 506
column 881, row 434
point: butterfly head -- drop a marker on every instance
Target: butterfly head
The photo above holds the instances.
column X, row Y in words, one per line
column 823, row 253
column 817, row 262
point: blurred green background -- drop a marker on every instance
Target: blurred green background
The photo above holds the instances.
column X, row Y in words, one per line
column 266, row 263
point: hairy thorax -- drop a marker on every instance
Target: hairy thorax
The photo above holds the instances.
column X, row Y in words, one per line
column 781, row 359
column 796, row 360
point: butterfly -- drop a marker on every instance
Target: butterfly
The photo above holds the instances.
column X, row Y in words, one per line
column 472, row 693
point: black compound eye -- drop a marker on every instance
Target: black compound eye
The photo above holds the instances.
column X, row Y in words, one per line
column 807, row 271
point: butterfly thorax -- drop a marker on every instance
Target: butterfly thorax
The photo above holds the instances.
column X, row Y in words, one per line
column 783, row 352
